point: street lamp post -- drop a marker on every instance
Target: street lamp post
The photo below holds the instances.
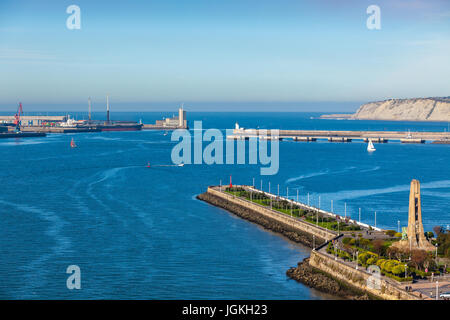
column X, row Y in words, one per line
column 357, row 253
column 410, row 248
column 345, row 209
column 359, row 215
column 436, row 253
column 253, row 185
column 317, row 213
column 437, row 290
column 335, row 251
column 375, row 219
column 398, row 226
column 278, row 196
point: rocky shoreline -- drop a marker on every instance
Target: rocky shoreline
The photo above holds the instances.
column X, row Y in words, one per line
column 252, row 216
column 316, row 279
column 303, row 273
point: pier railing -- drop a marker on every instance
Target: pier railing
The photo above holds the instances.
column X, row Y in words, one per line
column 306, row 226
column 347, row 135
column 312, row 208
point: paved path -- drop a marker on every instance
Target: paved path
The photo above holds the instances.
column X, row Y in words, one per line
column 428, row 288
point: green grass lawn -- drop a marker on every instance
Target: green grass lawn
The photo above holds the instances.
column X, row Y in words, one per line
column 295, row 212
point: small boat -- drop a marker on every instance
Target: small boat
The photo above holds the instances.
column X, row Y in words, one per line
column 181, row 164
column 370, row 146
column 165, row 133
column 148, row 164
column 409, row 136
column 72, row 144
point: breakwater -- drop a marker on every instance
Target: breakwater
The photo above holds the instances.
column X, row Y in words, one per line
column 341, row 135
column 22, row 134
column 292, row 228
column 48, row 129
column 321, row 271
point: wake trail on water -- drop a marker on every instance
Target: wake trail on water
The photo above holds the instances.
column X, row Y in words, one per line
column 319, row 173
column 436, row 194
column 105, row 175
column 106, row 180
column 21, row 143
column 306, row 176
column 103, row 138
column 36, row 271
column 354, row 194
column 371, row 169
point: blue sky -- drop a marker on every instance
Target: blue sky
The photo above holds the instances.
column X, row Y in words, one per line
column 294, row 55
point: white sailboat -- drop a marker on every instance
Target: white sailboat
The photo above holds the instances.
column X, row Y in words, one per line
column 370, row 146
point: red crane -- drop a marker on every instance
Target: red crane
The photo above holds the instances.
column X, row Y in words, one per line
column 17, row 117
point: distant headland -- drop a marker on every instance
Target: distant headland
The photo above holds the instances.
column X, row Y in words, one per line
column 416, row 109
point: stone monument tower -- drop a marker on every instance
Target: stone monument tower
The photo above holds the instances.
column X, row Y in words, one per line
column 416, row 236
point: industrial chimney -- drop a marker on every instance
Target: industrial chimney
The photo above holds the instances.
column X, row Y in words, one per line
column 89, row 101
column 107, row 109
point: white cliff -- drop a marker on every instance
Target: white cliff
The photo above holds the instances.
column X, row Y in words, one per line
column 418, row 109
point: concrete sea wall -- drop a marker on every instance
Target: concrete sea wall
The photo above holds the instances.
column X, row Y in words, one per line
column 358, row 278
column 292, row 228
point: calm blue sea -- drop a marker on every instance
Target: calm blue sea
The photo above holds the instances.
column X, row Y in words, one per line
column 139, row 233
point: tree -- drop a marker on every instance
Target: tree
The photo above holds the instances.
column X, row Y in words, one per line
column 346, row 240
column 418, row 257
column 380, row 262
column 395, row 252
column 443, row 241
column 398, row 269
column 429, row 234
column 364, row 243
column 378, row 246
column 391, row 233
column 389, row 265
column 391, row 251
column 363, row 257
column 437, row 230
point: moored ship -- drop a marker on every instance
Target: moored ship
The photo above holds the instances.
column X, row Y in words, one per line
column 119, row 126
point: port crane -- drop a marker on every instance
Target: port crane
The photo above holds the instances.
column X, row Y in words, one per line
column 17, row 117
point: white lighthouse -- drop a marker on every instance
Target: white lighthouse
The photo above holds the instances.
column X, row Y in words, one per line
column 182, row 123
